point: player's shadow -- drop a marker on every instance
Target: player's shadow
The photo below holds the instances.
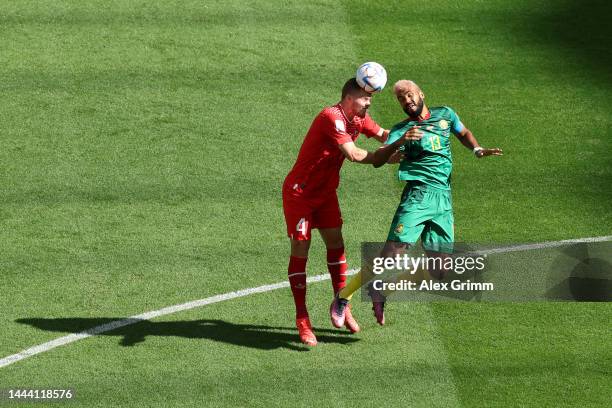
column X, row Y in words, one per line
column 589, row 280
column 135, row 331
column 589, row 45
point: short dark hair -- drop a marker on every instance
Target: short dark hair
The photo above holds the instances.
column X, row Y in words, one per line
column 351, row 87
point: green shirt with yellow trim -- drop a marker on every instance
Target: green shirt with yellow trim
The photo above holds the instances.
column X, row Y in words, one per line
column 428, row 160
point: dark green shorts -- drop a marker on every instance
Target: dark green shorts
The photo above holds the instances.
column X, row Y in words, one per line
column 425, row 212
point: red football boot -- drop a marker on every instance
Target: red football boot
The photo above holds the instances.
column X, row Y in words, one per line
column 305, row 330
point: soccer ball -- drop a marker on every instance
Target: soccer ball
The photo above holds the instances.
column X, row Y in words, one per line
column 371, row 76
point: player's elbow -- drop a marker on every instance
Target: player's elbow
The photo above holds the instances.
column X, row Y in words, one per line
column 465, row 133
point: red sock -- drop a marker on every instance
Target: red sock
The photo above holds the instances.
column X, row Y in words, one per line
column 297, row 281
column 337, row 267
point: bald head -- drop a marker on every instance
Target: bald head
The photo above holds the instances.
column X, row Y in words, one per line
column 405, row 85
column 410, row 97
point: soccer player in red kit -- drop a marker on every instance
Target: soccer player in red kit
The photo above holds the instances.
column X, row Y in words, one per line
column 309, row 192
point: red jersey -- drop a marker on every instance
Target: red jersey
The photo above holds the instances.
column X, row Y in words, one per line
column 317, row 168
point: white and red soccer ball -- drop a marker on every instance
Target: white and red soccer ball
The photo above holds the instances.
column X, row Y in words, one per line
column 371, row 76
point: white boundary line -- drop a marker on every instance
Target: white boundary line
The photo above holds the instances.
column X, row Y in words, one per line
column 71, row 338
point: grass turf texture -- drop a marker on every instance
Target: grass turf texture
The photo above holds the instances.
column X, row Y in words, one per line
column 144, row 144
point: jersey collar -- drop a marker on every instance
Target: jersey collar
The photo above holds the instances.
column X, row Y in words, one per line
column 344, row 114
column 421, row 120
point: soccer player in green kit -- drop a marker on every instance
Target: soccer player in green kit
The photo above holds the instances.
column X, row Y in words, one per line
column 425, row 210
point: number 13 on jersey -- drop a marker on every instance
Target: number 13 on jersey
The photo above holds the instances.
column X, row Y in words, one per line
column 435, row 143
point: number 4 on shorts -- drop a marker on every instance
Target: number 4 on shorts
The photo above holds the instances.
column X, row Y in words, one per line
column 302, row 226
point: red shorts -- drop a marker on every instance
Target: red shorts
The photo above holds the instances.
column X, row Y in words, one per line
column 302, row 214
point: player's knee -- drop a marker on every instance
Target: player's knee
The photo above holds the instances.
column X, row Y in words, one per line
column 335, row 243
column 300, row 248
column 332, row 237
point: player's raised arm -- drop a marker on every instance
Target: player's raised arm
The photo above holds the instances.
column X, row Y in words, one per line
column 382, row 135
column 466, row 138
column 381, row 155
column 396, row 157
column 357, row 154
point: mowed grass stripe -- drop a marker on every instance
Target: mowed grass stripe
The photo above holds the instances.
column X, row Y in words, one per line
column 149, row 146
column 117, row 324
column 154, row 135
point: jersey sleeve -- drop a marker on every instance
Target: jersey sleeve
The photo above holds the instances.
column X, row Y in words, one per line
column 335, row 128
column 455, row 123
column 370, row 127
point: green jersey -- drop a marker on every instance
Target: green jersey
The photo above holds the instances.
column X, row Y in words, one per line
column 428, row 160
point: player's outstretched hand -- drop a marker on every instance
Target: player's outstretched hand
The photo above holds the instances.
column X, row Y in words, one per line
column 489, row 152
column 414, row 133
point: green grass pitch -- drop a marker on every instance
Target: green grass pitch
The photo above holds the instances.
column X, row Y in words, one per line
column 143, row 147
